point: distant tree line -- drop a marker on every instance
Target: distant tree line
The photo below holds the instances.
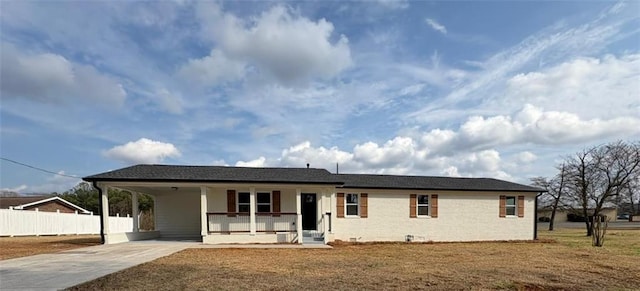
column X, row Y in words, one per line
column 590, row 180
column 85, row 196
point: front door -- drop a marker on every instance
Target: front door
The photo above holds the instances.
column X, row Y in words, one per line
column 309, row 212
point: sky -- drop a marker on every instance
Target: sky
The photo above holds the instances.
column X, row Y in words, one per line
column 501, row 89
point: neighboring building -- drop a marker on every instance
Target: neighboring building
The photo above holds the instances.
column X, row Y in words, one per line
column 42, row 203
column 303, row 205
column 562, row 215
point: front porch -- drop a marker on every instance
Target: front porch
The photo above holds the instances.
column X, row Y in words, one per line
column 232, row 213
column 266, row 214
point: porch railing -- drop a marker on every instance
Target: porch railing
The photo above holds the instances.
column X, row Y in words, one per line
column 276, row 222
column 229, row 222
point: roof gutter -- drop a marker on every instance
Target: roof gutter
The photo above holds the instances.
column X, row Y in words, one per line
column 535, row 217
column 95, row 185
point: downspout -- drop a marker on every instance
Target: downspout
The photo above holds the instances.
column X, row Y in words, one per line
column 95, row 185
column 535, row 218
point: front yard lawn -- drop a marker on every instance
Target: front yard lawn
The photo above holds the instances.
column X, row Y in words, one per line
column 569, row 263
column 22, row 246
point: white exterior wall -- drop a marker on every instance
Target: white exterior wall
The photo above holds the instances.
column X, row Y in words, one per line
column 217, row 198
column 462, row 216
column 178, row 215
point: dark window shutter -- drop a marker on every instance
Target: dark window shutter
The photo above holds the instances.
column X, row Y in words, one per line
column 503, row 206
column 276, row 202
column 231, row 202
column 434, row 205
column 520, row 206
column 364, row 205
column 340, row 204
column 412, row 205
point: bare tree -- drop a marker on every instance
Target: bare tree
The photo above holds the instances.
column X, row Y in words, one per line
column 555, row 187
column 598, row 175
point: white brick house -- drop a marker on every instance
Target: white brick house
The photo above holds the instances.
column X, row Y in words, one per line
column 302, row 205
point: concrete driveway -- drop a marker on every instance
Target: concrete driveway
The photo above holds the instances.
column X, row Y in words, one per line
column 69, row 268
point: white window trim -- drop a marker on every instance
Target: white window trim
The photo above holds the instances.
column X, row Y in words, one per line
column 428, row 206
column 346, row 212
column 270, row 201
column 515, row 206
column 238, row 203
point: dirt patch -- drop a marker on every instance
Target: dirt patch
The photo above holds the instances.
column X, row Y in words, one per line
column 15, row 247
column 568, row 264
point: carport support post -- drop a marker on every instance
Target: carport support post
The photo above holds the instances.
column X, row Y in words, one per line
column 105, row 213
column 204, row 229
column 134, row 211
column 252, row 210
column 299, row 214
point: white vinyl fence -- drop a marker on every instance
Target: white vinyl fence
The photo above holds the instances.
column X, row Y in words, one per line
column 25, row 222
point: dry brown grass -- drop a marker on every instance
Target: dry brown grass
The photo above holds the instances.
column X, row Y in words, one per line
column 15, row 247
column 568, row 264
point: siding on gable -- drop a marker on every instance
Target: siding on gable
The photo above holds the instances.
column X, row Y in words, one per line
column 462, row 216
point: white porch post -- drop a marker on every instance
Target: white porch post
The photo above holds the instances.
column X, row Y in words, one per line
column 204, row 220
column 333, row 208
column 299, row 215
column 252, row 210
column 325, row 218
column 134, row 211
column 105, row 213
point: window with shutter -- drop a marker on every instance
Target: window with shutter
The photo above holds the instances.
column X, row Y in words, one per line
column 503, row 211
column 434, row 205
column 231, row 202
column 352, row 204
column 364, row 205
column 423, row 205
column 520, row 206
column 340, row 205
column 276, row 202
column 412, row 206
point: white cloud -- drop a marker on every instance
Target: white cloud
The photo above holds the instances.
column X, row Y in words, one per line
column 51, row 78
column 550, row 46
column 170, row 102
column 279, row 42
column 580, row 85
column 212, row 69
column 17, row 189
column 526, row 157
column 533, row 125
column 301, row 154
column 472, row 150
column 54, row 183
column 257, row 163
column 394, row 4
column 143, row 151
column 436, row 26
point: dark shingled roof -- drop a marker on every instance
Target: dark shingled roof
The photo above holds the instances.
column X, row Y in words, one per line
column 6, row 202
column 430, row 183
column 169, row 173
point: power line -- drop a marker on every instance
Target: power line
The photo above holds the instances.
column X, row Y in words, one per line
column 39, row 169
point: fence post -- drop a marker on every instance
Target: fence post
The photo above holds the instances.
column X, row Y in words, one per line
column 76, row 221
column 12, row 232
column 59, row 219
column 37, row 222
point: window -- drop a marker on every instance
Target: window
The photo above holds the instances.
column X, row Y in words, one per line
column 423, row 205
column 510, row 205
column 264, row 202
column 243, row 202
column 352, row 204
